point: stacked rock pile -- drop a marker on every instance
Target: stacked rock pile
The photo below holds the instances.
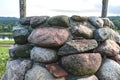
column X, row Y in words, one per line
column 64, row 48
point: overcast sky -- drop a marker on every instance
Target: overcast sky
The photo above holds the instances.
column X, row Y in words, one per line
column 10, row 8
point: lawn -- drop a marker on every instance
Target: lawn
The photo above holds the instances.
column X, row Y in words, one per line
column 4, row 54
column 4, row 57
column 8, row 42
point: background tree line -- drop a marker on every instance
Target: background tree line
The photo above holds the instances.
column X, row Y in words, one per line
column 7, row 23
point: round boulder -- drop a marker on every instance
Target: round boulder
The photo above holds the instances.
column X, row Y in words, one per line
column 82, row 64
column 20, row 34
column 106, row 33
column 109, row 70
column 49, row 37
column 109, row 48
column 79, row 18
column 92, row 77
column 87, row 77
column 38, row 20
column 43, row 55
column 101, row 34
column 38, row 73
column 25, row 21
column 97, row 22
column 106, row 22
column 20, row 51
column 61, row 20
column 77, row 46
column 82, row 31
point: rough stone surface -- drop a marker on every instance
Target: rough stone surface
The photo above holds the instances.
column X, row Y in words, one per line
column 106, row 22
column 89, row 25
column 25, row 21
column 4, row 77
column 116, row 58
column 77, row 46
column 48, row 37
column 93, row 77
column 56, row 70
column 43, row 55
column 97, row 22
column 38, row 20
column 90, row 77
column 62, row 78
column 79, row 18
column 106, row 33
column 82, row 64
column 114, row 35
column 72, row 77
column 16, row 69
column 38, row 73
column 109, row 48
column 20, row 51
column 82, row 31
column 112, row 24
column 109, row 70
column 20, row 34
column 11, row 51
column 62, row 21
column 101, row 34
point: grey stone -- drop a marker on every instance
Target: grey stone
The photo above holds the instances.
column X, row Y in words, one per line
column 101, row 34
column 89, row 25
column 79, row 18
column 20, row 51
column 11, row 51
column 114, row 36
column 43, row 55
column 38, row 20
column 82, row 31
column 25, row 21
column 92, row 77
column 20, row 34
column 38, row 73
column 72, row 77
column 97, row 22
column 106, row 33
column 62, row 78
column 16, row 69
column 49, row 37
column 109, row 70
column 85, row 23
column 82, row 64
column 116, row 58
column 106, row 22
column 109, row 48
column 4, row 77
column 112, row 25
column 62, row 21
column 77, row 46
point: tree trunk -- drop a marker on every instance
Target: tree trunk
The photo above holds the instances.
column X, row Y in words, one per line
column 22, row 4
column 104, row 8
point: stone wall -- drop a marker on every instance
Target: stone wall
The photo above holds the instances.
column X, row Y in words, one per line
column 64, row 48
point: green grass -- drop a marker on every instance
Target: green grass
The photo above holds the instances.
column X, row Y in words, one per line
column 4, row 57
column 9, row 33
column 9, row 42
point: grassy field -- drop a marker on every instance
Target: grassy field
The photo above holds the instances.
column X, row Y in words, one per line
column 4, row 54
column 8, row 42
column 4, row 57
column 6, row 33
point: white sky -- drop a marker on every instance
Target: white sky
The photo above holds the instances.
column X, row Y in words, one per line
column 59, row 7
